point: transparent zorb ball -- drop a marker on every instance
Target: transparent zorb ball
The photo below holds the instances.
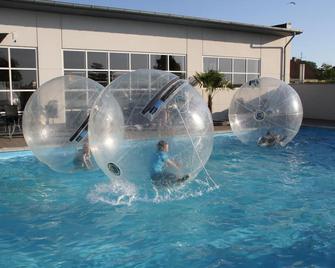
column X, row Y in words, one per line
column 55, row 122
column 265, row 111
column 156, row 107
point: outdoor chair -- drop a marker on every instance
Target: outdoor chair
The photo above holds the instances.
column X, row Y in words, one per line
column 12, row 119
column 2, row 119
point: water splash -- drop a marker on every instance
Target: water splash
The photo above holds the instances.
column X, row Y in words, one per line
column 114, row 193
column 117, row 193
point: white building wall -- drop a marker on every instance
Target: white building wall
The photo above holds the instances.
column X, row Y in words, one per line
column 316, row 105
column 49, row 41
column 51, row 33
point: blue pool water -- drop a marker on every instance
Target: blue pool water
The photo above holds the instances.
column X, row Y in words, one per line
column 273, row 208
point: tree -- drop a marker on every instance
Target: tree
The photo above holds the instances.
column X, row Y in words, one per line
column 312, row 64
column 327, row 72
column 213, row 82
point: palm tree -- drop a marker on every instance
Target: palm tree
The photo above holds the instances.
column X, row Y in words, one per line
column 212, row 81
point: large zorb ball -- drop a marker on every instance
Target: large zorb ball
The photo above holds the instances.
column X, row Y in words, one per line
column 265, row 111
column 55, row 122
column 155, row 106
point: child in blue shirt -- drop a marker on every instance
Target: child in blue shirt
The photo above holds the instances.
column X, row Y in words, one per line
column 160, row 176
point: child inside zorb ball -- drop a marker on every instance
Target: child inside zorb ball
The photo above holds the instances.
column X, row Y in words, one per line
column 162, row 161
column 163, row 133
column 55, row 122
column 266, row 112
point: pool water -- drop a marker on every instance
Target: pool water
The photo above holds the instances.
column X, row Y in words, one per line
column 273, row 208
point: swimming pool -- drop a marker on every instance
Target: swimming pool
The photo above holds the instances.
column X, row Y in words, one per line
column 273, row 208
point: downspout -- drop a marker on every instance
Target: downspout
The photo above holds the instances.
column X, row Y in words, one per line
column 284, row 57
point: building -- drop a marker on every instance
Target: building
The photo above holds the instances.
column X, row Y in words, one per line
column 40, row 40
column 302, row 71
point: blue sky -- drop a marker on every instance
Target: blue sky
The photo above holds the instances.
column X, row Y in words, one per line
column 315, row 18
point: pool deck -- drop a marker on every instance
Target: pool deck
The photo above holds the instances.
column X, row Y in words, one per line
column 17, row 143
column 318, row 123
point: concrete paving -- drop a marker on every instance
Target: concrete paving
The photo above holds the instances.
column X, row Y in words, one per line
column 18, row 142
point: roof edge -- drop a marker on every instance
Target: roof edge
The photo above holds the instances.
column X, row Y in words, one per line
column 120, row 13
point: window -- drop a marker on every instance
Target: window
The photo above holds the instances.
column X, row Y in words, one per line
column 105, row 67
column 74, row 60
column 18, row 75
column 100, row 77
column 139, row 61
column 24, row 79
column 225, row 65
column 22, row 58
column 210, row 64
column 159, row 62
column 4, row 79
column 238, row 79
column 239, row 66
column 4, row 98
column 4, row 58
column 79, row 73
column 97, row 60
column 238, row 70
column 20, row 98
column 114, row 75
column 176, row 63
column 171, row 63
column 253, row 66
column 119, row 61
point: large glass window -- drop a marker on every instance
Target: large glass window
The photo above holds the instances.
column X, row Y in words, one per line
column 181, row 75
column 238, row 79
column 5, row 99
column 236, row 70
column 225, row 65
column 159, row 62
column 115, row 74
column 79, row 73
column 100, row 77
column 210, row 64
column 252, row 76
column 97, row 60
column 4, row 79
column 239, row 65
column 24, row 79
column 22, row 58
column 139, row 61
column 20, row 98
column 18, row 75
column 176, row 63
column 74, row 60
column 104, row 67
column 4, row 57
column 253, row 66
column 119, row 61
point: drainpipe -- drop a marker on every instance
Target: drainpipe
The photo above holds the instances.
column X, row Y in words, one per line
column 284, row 57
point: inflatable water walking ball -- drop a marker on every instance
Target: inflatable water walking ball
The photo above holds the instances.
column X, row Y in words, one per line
column 265, row 111
column 55, row 122
column 156, row 108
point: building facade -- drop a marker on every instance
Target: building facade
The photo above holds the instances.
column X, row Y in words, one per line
column 40, row 40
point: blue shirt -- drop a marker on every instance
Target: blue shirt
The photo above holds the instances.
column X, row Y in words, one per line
column 160, row 161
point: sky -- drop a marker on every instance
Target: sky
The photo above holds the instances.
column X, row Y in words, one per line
column 315, row 18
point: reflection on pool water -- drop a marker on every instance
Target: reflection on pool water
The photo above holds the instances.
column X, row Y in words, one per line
column 273, row 208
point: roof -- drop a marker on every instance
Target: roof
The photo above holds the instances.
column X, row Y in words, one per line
column 111, row 12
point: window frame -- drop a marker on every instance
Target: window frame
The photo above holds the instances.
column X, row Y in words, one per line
column 10, row 69
column 86, row 60
column 246, row 73
column 109, row 70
